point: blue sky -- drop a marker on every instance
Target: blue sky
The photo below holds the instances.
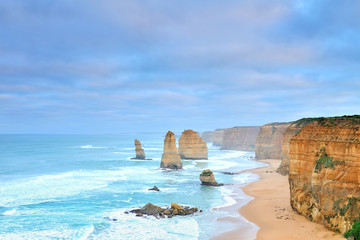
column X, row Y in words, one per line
column 92, row 66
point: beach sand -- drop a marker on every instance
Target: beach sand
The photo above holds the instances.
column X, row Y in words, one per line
column 271, row 211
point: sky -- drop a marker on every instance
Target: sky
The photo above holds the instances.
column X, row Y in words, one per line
column 113, row 66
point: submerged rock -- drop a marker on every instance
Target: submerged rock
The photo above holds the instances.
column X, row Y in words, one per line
column 170, row 158
column 207, row 178
column 191, row 146
column 155, row 188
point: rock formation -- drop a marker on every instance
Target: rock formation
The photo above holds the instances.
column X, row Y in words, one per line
column 170, row 157
column 324, row 171
column 139, row 151
column 207, row 178
column 218, row 137
column 153, row 210
column 268, row 141
column 240, row 138
column 208, row 136
column 191, row 146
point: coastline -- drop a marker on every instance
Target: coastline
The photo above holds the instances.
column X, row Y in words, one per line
column 270, row 210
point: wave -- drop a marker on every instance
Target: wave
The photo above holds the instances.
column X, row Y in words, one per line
column 46, row 188
column 128, row 226
column 60, row 233
column 229, row 201
column 88, row 147
column 9, row 212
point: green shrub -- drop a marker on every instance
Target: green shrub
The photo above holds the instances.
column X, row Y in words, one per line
column 355, row 231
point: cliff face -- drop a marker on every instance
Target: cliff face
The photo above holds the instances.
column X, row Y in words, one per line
column 139, row 151
column 324, row 172
column 268, row 141
column 207, row 136
column 191, row 146
column 170, row 157
column 218, row 137
column 240, row 138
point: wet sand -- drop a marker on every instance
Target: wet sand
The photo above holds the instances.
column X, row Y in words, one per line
column 271, row 211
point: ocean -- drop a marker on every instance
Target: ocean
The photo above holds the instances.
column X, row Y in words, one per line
column 79, row 186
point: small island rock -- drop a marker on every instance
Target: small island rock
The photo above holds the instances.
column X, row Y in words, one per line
column 207, row 178
column 139, row 151
column 170, row 157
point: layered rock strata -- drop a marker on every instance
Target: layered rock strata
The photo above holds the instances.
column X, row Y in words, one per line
column 324, row 172
column 170, row 158
column 268, row 141
column 191, row 146
column 139, row 151
column 218, row 137
column 240, row 138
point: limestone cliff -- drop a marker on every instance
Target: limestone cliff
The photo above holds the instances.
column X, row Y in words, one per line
column 324, row 171
column 268, row 141
column 139, row 151
column 191, row 146
column 218, row 137
column 208, row 136
column 170, row 157
column 240, row 138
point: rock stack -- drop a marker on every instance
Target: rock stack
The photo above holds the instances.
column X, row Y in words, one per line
column 207, row 178
column 139, row 151
column 191, row 146
column 170, row 157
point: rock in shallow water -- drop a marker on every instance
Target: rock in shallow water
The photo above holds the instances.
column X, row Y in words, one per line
column 155, row 188
column 175, row 209
column 207, row 178
column 170, row 158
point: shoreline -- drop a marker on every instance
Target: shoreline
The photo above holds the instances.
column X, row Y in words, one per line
column 270, row 210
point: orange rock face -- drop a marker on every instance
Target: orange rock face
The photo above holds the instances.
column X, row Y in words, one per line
column 324, row 172
column 218, row 137
column 170, row 157
column 268, row 141
column 191, row 146
column 139, row 151
column 240, row 138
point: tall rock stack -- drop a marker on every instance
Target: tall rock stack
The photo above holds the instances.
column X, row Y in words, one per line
column 191, row 146
column 170, row 157
column 139, row 151
column 218, row 137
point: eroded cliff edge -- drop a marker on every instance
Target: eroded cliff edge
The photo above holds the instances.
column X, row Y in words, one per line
column 324, row 172
column 240, row 138
column 268, row 141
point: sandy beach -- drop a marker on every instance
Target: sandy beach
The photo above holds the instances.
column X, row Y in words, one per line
column 271, row 211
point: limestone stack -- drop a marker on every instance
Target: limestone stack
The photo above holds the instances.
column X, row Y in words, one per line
column 191, row 146
column 139, row 151
column 207, row 178
column 324, row 172
column 170, row 157
column 268, row 141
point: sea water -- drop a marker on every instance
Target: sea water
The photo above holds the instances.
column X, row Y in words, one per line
column 79, row 186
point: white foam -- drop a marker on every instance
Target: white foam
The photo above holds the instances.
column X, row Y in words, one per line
column 46, row 188
column 88, row 146
column 128, row 226
column 9, row 212
column 61, row 233
column 229, row 201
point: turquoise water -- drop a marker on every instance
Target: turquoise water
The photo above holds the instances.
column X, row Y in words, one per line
column 67, row 186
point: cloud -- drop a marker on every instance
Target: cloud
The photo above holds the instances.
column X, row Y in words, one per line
column 175, row 64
